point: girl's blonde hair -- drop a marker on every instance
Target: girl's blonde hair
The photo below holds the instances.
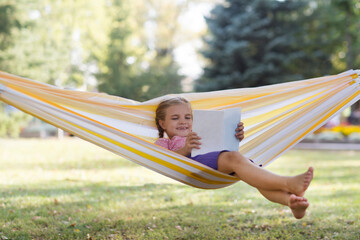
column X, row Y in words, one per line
column 161, row 111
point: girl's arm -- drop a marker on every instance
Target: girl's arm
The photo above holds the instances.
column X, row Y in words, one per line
column 192, row 141
column 240, row 131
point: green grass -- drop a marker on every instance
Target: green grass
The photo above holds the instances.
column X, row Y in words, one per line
column 70, row 189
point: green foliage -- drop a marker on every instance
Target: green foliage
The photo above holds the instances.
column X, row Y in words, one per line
column 255, row 43
column 140, row 65
column 11, row 124
column 8, row 21
column 345, row 19
column 127, row 45
column 159, row 79
column 55, row 40
column 68, row 43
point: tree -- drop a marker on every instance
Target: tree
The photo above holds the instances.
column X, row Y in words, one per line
column 260, row 42
column 119, row 68
column 55, row 40
column 50, row 41
column 140, row 63
column 346, row 19
column 10, row 121
column 8, row 22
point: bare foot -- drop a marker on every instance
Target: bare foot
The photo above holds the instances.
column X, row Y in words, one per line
column 298, row 184
column 298, row 206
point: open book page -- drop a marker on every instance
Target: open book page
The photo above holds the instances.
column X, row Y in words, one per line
column 216, row 129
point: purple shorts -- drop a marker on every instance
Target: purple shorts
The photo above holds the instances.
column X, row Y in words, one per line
column 211, row 159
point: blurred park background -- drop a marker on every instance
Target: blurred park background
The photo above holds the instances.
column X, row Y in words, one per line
column 141, row 49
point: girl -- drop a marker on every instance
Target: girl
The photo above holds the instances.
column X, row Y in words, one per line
column 174, row 117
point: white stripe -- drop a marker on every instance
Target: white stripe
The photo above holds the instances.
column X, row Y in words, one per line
column 290, row 132
column 47, row 110
column 264, row 148
column 129, row 127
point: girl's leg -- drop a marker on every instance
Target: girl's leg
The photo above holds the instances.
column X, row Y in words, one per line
column 276, row 196
column 260, row 178
column 298, row 205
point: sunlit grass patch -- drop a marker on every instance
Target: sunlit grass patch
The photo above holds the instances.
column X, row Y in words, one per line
column 71, row 189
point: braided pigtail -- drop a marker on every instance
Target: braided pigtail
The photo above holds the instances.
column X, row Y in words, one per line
column 160, row 129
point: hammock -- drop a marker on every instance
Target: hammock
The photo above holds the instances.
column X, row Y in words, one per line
column 276, row 117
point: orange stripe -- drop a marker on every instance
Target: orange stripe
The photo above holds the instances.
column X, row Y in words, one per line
column 321, row 121
column 209, row 171
column 225, row 184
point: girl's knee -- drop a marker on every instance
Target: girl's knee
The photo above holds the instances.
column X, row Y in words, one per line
column 236, row 158
column 229, row 161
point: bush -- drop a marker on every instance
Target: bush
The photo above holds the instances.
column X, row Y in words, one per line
column 11, row 123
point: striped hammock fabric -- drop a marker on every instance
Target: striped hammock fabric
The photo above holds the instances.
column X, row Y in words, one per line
column 276, row 117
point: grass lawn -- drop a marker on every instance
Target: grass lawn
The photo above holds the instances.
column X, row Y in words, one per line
column 71, row 189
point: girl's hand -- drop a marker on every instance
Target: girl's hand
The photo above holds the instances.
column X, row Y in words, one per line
column 240, row 131
column 192, row 141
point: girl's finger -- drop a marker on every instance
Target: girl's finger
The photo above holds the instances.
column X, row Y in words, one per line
column 195, row 142
column 194, row 138
column 197, row 146
column 240, row 128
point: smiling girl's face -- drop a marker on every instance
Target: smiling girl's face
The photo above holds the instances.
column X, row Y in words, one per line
column 178, row 120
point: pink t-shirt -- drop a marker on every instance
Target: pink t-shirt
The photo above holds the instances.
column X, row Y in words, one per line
column 173, row 144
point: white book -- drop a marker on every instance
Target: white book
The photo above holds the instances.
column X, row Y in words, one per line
column 216, row 129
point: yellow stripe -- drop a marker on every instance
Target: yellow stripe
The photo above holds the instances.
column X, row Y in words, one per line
column 116, row 143
column 280, row 112
column 209, row 171
column 152, row 158
column 319, row 122
column 278, row 128
column 161, row 162
column 252, row 99
column 225, row 184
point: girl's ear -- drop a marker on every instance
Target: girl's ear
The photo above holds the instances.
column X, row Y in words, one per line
column 161, row 123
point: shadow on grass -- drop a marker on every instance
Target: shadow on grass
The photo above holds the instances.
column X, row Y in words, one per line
column 77, row 220
column 156, row 211
column 85, row 164
column 98, row 189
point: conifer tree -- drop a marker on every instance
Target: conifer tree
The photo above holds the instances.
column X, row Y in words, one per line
column 260, row 42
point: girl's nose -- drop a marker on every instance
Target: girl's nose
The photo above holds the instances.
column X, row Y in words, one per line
column 182, row 121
